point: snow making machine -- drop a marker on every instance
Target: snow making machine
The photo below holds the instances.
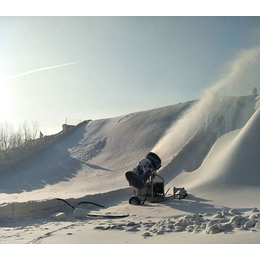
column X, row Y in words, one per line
column 149, row 186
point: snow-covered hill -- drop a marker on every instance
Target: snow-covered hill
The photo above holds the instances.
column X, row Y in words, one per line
column 218, row 163
column 92, row 159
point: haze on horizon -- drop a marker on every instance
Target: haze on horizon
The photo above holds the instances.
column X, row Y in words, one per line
column 52, row 68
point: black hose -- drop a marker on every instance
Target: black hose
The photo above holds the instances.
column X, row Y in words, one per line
column 95, row 215
column 107, row 216
column 82, row 202
column 88, row 202
column 66, row 202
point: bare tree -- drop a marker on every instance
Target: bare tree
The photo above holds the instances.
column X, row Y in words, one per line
column 26, row 132
column 35, row 129
column 16, row 139
column 19, row 137
column 10, row 139
column 6, row 131
column 1, row 137
column 9, row 135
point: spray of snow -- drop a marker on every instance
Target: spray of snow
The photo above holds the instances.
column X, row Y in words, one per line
column 241, row 74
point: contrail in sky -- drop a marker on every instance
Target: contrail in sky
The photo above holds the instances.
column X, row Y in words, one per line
column 41, row 69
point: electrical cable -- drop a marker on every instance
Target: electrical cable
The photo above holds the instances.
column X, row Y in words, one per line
column 94, row 215
column 93, row 203
column 66, row 202
column 82, row 202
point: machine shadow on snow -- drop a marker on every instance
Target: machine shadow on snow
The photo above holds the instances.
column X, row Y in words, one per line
column 192, row 204
column 48, row 167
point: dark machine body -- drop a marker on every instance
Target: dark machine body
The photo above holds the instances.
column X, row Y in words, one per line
column 149, row 186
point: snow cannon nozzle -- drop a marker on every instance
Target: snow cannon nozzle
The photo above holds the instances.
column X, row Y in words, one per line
column 155, row 159
column 142, row 172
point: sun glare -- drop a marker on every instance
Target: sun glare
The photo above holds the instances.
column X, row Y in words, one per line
column 5, row 97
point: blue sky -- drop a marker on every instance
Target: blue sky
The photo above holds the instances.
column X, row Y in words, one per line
column 120, row 64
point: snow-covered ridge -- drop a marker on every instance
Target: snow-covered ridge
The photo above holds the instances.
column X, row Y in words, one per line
column 10, row 157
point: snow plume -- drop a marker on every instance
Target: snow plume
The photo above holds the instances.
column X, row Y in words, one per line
column 242, row 72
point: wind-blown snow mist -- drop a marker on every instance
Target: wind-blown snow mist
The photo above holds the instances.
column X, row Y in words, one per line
column 242, row 75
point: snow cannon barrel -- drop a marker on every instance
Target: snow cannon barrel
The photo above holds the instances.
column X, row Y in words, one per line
column 142, row 172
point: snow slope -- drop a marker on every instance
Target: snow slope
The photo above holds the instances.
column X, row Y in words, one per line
column 218, row 166
column 92, row 159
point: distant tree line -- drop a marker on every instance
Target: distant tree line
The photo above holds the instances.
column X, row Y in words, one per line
column 10, row 138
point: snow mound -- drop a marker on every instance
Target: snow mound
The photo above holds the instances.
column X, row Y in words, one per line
column 231, row 167
column 239, row 161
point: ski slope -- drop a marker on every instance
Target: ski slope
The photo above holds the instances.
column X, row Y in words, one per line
column 218, row 165
column 94, row 158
